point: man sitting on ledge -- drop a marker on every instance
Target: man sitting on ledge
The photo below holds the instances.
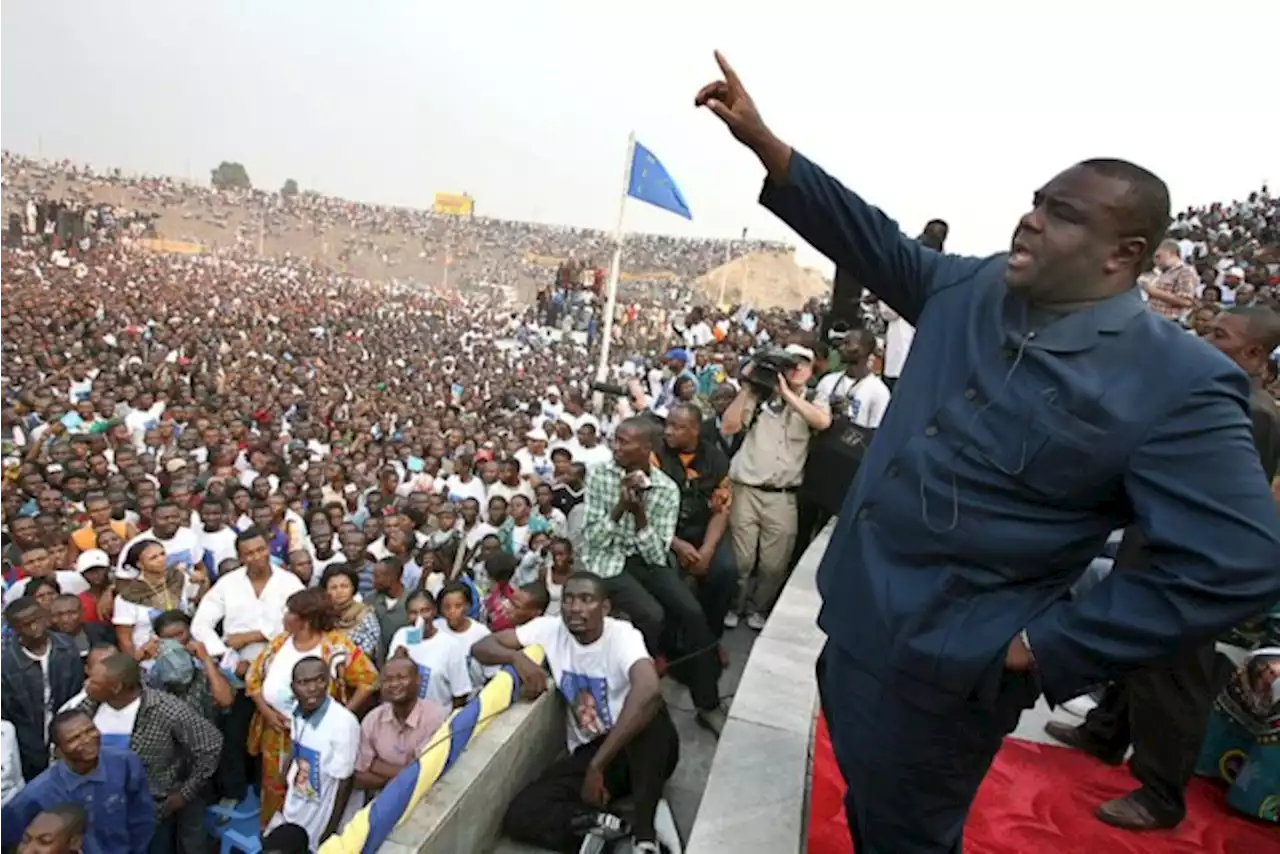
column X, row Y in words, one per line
column 620, row 736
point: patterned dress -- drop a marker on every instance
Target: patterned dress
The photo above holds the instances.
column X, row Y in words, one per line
column 349, row 671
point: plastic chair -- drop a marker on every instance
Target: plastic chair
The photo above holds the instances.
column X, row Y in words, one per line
column 234, row 840
column 246, row 808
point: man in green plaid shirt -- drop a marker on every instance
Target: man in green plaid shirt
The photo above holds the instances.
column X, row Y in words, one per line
column 631, row 511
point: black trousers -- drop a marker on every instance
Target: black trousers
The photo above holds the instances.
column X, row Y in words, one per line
column 656, row 596
column 912, row 767
column 809, row 521
column 1162, row 711
column 543, row 813
column 235, row 765
column 717, row 590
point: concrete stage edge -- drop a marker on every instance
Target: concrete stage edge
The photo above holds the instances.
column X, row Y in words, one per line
column 756, row 798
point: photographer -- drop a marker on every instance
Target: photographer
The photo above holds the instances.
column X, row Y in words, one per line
column 766, row 473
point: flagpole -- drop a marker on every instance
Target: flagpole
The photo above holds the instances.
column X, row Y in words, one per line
column 615, row 269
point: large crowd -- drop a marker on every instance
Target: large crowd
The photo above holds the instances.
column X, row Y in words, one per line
column 266, row 522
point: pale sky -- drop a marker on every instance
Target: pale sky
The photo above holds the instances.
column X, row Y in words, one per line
column 927, row 109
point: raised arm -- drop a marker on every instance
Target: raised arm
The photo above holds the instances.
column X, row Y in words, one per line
column 1212, row 535
column 856, row 236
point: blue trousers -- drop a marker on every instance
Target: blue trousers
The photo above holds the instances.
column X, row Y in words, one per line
column 912, row 770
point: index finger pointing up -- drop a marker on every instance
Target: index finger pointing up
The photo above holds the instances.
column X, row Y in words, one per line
column 730, row 76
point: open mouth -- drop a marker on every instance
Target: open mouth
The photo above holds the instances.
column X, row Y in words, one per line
column 1019, row 255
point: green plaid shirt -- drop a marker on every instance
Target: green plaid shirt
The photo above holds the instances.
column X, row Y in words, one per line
column 607, row 544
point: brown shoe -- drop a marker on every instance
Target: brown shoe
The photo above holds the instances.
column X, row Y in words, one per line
column 1073, row 736
column 1128, row 813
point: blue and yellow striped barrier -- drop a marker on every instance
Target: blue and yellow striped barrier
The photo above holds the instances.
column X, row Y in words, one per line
column 370, row 827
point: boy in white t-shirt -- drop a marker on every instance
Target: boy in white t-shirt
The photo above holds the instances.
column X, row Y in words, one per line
column 620, row 737
column 326, row 739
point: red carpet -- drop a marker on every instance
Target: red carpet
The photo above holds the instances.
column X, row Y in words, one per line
column 1040, row 798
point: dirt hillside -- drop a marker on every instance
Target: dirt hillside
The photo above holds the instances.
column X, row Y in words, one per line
column 764, row 280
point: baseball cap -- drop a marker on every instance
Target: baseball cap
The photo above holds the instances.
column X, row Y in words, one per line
column 677, row 353
column 801, row 351
column 92, row 559
column 537, row 434
column 174, row 665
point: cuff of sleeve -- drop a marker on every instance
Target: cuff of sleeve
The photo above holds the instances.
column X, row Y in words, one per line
column 1059, row 680
column 772, row 193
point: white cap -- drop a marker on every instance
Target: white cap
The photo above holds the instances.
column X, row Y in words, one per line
column 553, row 391
column 801, row 351
column 92, row 559
column 537, row 434
column 589, row 421
column 1238, row 272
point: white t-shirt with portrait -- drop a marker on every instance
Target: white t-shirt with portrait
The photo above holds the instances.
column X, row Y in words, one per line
column 441, row 661
column 324, row 754
column 594, row 679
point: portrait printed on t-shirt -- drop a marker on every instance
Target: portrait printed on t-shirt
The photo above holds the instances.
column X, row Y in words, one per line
column 424, row 680
column 306, row 778
column 588, row 697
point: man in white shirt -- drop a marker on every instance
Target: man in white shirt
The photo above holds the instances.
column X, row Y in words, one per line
column 38, row 563
column 898, row 335
column 326, row 740
column 587, row 447
column 865, row 395
column 620, row 737
column 250, row 602
column 216, row 537
column 533, row 457
column 181, row 546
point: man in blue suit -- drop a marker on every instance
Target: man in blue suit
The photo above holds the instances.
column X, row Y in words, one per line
column 1041, row 408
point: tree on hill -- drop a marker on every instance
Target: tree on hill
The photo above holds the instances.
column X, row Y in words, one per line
column 290, row 188
column 230, row 175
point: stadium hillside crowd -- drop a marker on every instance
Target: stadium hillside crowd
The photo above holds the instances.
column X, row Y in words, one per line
column 266, row 523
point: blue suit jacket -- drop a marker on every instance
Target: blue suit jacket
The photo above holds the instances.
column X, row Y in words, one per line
column 1007, row 457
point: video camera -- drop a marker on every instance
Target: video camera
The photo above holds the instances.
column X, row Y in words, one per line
column 766, row 367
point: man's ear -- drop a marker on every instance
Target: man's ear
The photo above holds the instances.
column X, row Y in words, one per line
column 605, row 607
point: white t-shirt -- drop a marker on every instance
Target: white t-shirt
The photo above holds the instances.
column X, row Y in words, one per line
column 594, row 679
column 868, row 397
column 10, row 763
column 531, row 465
column 140, row 617
column 218, row 546
column 116, row 725
column 469, row 637
column 597, row 453
column 277, row 682
column 441, row 661
column 183, row 548
column 67, row 581
column 324, row 754
column 459, row 491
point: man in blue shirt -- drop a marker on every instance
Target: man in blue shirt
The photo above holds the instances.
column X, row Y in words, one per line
column 108, row 782
column 1042, row 408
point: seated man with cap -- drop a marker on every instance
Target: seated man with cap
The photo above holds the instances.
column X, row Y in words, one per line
column 676, row 361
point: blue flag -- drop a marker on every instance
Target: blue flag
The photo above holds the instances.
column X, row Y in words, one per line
column 651, row 183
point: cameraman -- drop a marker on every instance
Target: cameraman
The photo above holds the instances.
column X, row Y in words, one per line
column 766, row 472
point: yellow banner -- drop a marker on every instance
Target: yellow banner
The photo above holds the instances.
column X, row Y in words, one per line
column 180, row 247
column 453, row 204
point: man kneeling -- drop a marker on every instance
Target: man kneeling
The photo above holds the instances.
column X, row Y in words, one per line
column 621, row 739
